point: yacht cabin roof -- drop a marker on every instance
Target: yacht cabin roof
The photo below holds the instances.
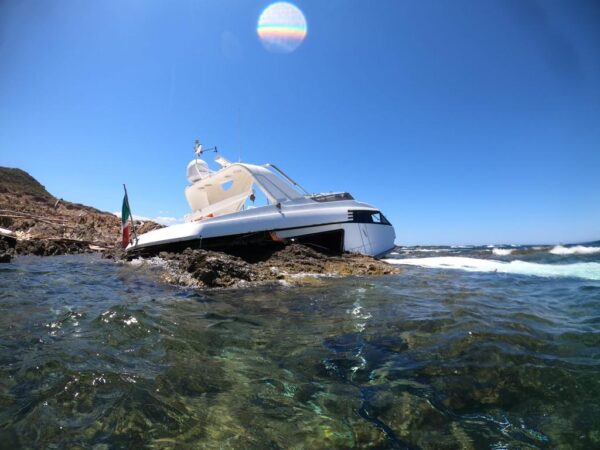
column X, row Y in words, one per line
column 225, row 191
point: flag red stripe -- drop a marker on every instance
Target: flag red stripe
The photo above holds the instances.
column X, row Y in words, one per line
column 125, row 240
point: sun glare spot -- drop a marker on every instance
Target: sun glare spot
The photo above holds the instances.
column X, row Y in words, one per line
column 281, row 27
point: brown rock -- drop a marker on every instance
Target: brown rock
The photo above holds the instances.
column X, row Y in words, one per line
column 51, row 247
column 64, row 227
column 202, row 268
column 295, row 262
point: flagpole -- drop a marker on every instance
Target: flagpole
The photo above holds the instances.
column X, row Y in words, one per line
column 130, row 213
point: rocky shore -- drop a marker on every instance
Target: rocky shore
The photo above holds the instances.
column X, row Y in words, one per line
column 292, row 263
column 33, row 222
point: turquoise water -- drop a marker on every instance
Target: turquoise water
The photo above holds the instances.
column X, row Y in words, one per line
column 101, row 355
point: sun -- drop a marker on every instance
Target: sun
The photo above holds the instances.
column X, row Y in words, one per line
column 281, row 27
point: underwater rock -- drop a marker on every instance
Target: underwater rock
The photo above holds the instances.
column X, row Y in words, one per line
column 404, row 412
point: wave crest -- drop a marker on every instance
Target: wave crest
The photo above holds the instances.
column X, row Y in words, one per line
column 588, row 271
column 575, row 250
column 502, row 251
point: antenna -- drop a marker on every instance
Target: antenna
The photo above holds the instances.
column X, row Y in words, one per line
column 198, row 149
column 237, row 134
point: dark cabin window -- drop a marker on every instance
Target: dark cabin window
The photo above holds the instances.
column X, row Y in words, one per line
column 332, row 197
column 383, row 219
column 367, row 217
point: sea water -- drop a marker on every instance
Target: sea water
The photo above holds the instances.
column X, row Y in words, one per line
column 476, row 347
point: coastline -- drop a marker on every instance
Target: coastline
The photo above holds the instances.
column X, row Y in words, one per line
column 33, row 222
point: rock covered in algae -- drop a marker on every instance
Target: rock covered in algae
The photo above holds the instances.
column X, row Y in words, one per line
column 202, row 268
column 294, row 262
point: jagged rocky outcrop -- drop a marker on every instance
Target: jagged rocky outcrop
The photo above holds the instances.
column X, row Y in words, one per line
column 45, row 225
column 294, row 262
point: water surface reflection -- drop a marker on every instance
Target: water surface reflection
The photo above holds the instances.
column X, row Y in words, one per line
column 93, row 353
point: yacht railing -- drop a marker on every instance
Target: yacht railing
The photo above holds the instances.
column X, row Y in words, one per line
column 286, row 176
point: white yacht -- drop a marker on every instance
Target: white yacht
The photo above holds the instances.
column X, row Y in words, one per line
column 223, row 217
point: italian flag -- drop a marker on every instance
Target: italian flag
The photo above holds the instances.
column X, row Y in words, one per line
column 125, row 221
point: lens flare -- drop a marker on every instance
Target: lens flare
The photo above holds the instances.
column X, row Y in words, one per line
column 281, row 27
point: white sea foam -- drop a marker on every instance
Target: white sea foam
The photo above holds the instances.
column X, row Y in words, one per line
column 420, row 250
column 502, row 251
column 588, row 271
column 575, row 250
column 152, row 261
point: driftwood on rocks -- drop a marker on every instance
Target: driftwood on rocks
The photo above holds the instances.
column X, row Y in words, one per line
column 51, row 247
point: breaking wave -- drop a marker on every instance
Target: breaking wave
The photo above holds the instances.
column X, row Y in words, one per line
column 575, row 250
column 588, row 271
column 502, row 251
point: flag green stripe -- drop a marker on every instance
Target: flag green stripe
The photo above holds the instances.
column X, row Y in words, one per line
column 125, row 213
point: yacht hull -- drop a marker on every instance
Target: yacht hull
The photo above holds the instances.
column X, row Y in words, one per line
column 332, row 227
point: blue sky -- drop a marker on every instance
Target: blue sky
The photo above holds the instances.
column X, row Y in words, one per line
column 464, row 121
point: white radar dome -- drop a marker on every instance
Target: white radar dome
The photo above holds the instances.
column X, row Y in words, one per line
column 197, row 169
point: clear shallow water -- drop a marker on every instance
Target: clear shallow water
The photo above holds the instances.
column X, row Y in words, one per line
column 98, row 354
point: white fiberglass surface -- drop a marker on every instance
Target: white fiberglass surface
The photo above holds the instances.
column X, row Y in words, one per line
column 172, row 233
